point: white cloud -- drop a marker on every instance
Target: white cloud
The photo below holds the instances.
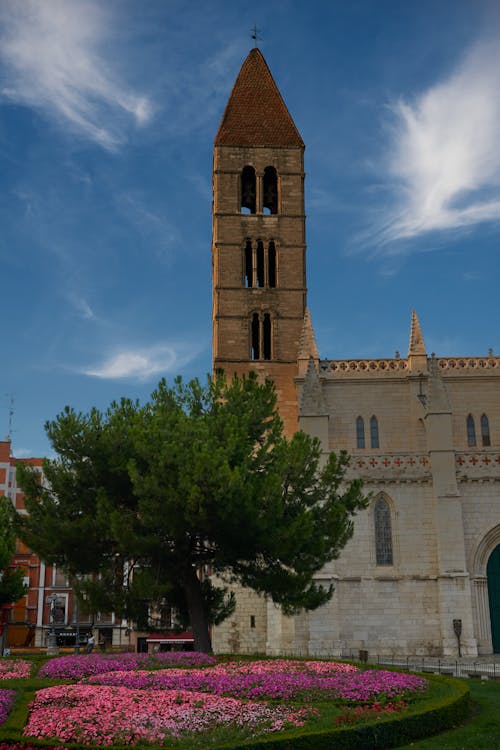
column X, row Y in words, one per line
column 445, row 152
column 142, row 364
column 54, row 58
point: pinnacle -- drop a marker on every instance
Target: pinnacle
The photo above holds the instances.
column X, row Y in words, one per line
column 307, row 343
column 417, row 345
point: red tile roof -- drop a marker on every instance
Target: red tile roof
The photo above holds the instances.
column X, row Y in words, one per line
column 255, row 114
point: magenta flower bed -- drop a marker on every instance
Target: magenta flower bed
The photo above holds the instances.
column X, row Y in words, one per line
column 7, row 698
column 139, row 698
column 278, row 680
column 84, row 665
column 11, row 669
column 105, row 715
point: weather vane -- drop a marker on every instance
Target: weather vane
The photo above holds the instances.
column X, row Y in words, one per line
column 255, row 35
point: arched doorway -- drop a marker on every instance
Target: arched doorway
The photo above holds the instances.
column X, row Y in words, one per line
column 493, row 575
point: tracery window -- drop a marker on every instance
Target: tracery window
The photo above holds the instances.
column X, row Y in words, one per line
column 471, row 431
column 261, row 336
column 360, row 432
column 374, row 432
column 383, row 532
column 248, row 191
column 485, row 431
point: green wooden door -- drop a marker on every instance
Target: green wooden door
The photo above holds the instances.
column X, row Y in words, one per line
column 493, row 573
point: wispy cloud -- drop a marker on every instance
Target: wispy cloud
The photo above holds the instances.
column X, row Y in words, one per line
column 56, row 58
column 444, row 159
column 142, row 364
column 81, row 306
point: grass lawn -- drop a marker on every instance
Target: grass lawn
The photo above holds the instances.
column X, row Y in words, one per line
column 482, row 733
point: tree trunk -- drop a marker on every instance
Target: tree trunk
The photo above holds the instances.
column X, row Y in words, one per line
column 197, row 614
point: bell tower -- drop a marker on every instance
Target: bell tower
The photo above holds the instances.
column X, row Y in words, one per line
column 258, row 236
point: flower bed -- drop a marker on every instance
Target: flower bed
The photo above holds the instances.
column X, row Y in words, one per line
column 105, row 715
column 84, row 665
column 173, row 696
column 278, row 680
column 7, row 698
column 12, row 669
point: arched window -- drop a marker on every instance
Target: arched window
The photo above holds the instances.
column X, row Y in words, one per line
column 374, row 432
column 248, row 190
column 248, row 264
column 260, row 263
column 360, row 433
column 383, row 532
column 271, row 264
column 261, row 335
column 270, row 191
column 485, row 430
column 255, row 336
column 266, row 326
column 471, row 431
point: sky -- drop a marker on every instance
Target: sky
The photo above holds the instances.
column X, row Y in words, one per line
column 108, row 112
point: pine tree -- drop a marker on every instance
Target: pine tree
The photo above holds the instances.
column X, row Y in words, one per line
column 154, row 500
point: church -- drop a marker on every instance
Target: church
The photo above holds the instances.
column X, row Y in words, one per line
column 421, row 574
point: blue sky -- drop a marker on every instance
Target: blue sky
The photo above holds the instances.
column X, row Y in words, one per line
column 108, row 113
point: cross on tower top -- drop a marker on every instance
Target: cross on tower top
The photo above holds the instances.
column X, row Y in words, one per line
column 255, row 35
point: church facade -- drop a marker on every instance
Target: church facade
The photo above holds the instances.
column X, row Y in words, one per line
column 421, row 574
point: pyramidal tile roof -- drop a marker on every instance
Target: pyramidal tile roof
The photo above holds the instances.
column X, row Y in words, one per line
column 256, row 114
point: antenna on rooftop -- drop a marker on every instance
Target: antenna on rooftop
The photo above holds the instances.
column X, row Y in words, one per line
column 256, row 35
column 11, row 415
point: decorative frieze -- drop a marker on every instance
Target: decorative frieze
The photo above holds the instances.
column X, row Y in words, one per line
column 390, row 465
column 400, row 366
column 363, row 366
column 468, row 364
column 478, row 464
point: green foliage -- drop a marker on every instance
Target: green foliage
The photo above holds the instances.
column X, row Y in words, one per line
column 12, row 587
column 199, row 478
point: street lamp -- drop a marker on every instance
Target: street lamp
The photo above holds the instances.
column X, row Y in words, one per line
column 52, row 647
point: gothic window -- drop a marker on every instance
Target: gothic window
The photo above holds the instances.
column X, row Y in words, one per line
column 271, row 264
column 260, row 263
column 248, row 264
column 261, row 334
column 248, row 191
column 383, row 532
column 485, row 430
column 270, row 191
column 360, row 433
column 471, row 431
column 374, row 432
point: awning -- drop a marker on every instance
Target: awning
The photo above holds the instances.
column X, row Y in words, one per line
column 170, row 638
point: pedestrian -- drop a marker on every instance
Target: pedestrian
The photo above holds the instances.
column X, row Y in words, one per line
column 90, row 643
